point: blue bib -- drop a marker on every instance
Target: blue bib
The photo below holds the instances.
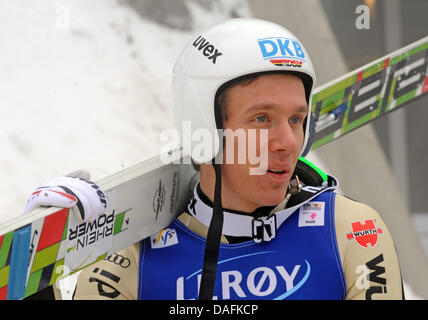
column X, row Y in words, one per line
column 302, row 262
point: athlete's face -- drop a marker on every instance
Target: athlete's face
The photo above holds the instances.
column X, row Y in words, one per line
column 277, row 103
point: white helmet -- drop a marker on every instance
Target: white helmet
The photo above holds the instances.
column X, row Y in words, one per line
column 225, row 52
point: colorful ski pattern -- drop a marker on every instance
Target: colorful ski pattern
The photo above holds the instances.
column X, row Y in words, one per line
column 46, row 254
column 369, row 92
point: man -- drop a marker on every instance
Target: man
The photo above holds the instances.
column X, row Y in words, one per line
column 276, row 231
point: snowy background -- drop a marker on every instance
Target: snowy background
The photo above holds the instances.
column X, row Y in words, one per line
column 86, row 85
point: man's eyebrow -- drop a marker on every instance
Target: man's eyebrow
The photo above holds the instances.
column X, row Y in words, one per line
column 263, row 106
column 303, row 108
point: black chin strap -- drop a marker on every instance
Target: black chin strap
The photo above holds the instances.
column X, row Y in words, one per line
column 212, row 246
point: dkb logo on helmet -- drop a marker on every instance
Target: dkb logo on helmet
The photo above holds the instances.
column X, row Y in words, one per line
column 282, row 51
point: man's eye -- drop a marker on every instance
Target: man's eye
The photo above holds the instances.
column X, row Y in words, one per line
column 261, row 118
column 295, row 120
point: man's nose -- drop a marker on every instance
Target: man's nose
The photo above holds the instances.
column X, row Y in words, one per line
column 283, row 137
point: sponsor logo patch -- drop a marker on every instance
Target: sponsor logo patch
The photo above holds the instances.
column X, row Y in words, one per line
column 164, row 238
column 311, row 214
column 365, row 234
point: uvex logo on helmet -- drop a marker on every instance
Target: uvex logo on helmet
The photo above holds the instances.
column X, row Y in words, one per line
column 282, row 51
column 207, row 49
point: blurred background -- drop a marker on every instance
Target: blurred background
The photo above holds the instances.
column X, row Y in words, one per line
column 86, row 85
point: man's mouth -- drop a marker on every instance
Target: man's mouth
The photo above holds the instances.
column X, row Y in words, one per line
column 277, row 171
column 278, row 175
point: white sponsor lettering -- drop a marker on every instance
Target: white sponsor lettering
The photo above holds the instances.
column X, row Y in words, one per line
column 260, row 282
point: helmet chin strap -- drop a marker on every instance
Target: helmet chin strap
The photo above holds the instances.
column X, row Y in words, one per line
column 212, row 245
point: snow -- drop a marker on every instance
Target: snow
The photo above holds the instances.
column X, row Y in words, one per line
column 84, row 85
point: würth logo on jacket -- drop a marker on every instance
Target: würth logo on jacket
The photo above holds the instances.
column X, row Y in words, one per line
column 207, row 49
column 365, row 234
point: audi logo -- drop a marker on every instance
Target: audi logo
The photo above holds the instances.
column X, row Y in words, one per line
column 119, row 260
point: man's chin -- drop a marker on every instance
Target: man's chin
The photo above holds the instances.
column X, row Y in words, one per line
column 273, row 199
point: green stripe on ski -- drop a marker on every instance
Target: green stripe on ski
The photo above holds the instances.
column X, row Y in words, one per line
column 33, row 283
column 64, row 234
column 118, row 222
column 323, row 141
column 4, row 276
column 58, row 271
column 409, row 53
column 45, row 257
column 373, row 69
column 332, row 102
column 342, row 85
column 35, row 277
column 5, row 248
column 359, row 122
column 405, row 98
column 101, row 257
column 391, row 95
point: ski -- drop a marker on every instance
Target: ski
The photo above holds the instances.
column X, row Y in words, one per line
column 47, row 244
column 370, row 92
column 38, row 248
